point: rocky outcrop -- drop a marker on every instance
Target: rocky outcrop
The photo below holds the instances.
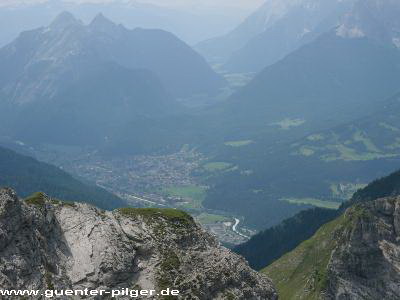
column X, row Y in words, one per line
column 366, row 262
column 355, row 257
column 49, row 244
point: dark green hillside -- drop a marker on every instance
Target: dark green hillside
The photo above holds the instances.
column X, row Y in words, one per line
column 264, row 187
column 307, row 263
column 376, row 136
column 182, row 70
column 333, row 80
column 329, row 82
column 94, row 102
column 338, row 78
column 380, row 188
column 267, row 246
column 326, row 165
column 27, row 176
column 272, row 243
column 347, row 258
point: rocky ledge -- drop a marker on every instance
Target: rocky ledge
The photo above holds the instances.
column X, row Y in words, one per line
column 50, row 244
column 366, row 261
column 355, row 257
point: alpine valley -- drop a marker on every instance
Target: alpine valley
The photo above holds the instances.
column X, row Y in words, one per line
column 130, row 159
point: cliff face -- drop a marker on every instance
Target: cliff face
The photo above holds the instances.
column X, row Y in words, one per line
column 366, row 263
column 356, row 256
column 48, row 244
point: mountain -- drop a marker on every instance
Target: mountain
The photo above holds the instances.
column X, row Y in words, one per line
column 262, row 131
column 281, row 114
column 181, row 70
column 269, row 245
column 76, row 246
column 83, row 105
column 29, row 176
column 315, row 126
column 301, row 23
column 189, row 25
column 74, row 84
column 280, row 27
column 219, row 48
column 353, row 257
column 336, row 76
column 273, row 31
column 388, row 186
column 374, row 19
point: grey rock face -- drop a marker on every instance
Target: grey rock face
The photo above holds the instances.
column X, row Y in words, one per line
column 48, row 244
column 366, row 263
column 374, row 19
column 35, row 64
column 276, row 29
column 292, row 24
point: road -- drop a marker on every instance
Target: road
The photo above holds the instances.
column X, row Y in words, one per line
column 237, row 221
column 139, row 199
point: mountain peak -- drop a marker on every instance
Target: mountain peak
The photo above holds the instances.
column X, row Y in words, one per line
column 101, row 23
column 375, row 19
column 63, row 20
column 118, row 236
column 338, row 248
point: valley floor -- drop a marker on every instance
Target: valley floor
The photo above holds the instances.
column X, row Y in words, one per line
column 150, row 181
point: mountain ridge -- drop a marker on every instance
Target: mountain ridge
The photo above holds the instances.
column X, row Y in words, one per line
column 45, row 76
column 273, row 31
column 76, row 246
column 285, row 26
column 341, row 80
column 68, row 38
column 271, row 244
column 354, row 256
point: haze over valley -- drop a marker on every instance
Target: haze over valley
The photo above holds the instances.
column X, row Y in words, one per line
column 267, row 122
column 91, row 97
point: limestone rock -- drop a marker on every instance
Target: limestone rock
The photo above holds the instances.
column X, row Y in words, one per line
column 366, row 263
column 49, row 244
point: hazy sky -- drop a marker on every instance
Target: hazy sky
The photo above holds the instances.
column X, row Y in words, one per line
column 210, row 18
column 217, row 3
column 245, row 4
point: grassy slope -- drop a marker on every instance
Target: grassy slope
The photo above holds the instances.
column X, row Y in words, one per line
column 267, row 246
column 313, row 202
column 206, row 218
column 192, row 193
column 302, row 273
column 169, row 214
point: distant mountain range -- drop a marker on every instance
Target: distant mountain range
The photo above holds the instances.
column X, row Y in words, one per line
column 335, row 79
column 341, row 76
column 182, row 71
column 338, row 77
column 189, row 25
column 113, row 88
column 220, row 48
column 280, row 27
column 30, row 176
column 71, row 83
column 326, row 164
